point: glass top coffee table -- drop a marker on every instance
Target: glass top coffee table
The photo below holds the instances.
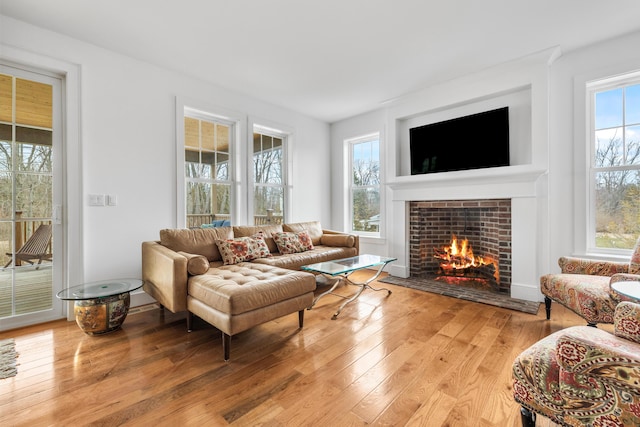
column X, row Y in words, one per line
column 101, row 307
column 340, row 270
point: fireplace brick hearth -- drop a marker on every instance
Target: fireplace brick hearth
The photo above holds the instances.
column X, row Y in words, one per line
column 486, row 224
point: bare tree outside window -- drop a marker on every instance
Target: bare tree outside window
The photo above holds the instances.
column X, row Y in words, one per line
column 616, row 167
column 365, row 184
column 268, row 178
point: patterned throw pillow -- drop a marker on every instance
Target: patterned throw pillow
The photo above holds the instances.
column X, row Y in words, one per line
column 242, row 249
column 291, row 243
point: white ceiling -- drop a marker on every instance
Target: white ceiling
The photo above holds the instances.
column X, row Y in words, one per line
column 330, row 59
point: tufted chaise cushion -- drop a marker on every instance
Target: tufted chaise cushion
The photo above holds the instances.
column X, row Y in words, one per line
column 243, row 287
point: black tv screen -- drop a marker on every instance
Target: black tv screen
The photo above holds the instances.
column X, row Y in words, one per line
column 470, row 142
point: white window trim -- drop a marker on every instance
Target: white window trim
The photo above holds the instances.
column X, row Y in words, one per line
column 592, row 86
column 237, row 121
column 348, row 153
column 287, row 133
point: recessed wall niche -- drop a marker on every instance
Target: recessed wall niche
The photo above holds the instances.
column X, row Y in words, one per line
column 519, row 103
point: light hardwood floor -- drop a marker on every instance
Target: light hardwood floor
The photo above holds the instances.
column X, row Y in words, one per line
column 412, row 358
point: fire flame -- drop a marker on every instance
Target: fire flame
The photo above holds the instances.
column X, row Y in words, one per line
column 459, row 255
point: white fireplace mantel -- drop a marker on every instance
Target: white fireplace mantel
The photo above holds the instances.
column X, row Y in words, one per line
column 502, row 182
column 524, row 185
column 522, row 84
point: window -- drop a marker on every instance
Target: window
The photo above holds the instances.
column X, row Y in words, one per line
column 364, row 184
column 615, row 163
column 207, row 163
column 269, row 176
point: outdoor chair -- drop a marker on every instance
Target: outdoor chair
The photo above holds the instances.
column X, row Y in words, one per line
column 36, row 248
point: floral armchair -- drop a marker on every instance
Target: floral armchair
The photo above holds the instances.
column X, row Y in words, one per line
column 583, row 376
column 584, row 286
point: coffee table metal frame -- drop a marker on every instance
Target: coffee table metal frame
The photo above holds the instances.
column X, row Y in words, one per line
column 340, row 270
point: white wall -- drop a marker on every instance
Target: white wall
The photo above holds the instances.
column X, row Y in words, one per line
column 127, row 147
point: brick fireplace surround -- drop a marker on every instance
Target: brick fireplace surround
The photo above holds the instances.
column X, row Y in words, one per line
column 485, row 223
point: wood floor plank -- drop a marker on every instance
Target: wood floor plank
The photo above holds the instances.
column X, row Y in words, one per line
column 410, row 358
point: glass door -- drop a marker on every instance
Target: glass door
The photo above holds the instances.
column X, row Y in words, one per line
column 30, row 138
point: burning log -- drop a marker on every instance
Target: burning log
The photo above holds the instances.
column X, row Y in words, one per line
column 459, row 260
column 485, row 271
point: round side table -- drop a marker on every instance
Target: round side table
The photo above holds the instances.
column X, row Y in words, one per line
column 629, row 288
column 101, row 307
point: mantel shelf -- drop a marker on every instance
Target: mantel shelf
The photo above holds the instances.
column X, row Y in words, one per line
column 499, row 175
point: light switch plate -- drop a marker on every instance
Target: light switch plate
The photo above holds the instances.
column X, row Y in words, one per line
column 112, row 200
column 96, row 199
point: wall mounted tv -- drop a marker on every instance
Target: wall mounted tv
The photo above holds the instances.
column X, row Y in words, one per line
column 470, row 142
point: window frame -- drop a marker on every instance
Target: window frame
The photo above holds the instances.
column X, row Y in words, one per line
column 236, row 122
column 286, row 133
column 349, row 143
column 592, row 88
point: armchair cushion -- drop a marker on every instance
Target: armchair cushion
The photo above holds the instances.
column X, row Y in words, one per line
column 587, row 295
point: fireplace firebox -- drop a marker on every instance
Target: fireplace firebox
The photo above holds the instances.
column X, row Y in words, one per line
column 439, row 230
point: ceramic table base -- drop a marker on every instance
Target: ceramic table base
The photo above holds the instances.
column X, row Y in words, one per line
column 101, row 315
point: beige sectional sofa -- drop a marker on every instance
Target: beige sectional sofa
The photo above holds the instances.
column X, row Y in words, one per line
column 237, row 277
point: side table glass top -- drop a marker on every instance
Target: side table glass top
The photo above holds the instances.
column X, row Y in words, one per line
column 347, row 265
column 629, row 289
column 101, row 289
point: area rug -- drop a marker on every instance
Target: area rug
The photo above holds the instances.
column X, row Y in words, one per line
column 8, row 356
column 469, row 294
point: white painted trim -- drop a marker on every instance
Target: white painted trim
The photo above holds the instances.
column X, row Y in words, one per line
column 238, row 121
column 526, row 292
column 72, row 216
column 276, row 129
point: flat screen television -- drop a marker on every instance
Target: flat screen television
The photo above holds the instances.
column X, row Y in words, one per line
column 471, row 142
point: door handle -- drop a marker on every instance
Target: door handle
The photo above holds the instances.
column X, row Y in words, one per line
column 57, row 214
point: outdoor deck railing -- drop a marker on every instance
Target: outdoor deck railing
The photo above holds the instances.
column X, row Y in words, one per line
column 195, row 221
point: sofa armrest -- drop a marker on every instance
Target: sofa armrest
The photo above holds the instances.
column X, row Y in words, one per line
column 572, row 265
column 591, row 355
column 164, row 272
column 352, row 239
